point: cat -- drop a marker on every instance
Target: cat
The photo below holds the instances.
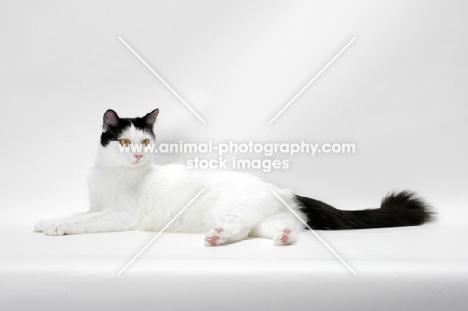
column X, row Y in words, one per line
column 128, row 192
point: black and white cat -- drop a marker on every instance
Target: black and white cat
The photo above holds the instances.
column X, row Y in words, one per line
column 128, row 192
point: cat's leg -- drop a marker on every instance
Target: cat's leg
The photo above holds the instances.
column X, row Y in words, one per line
column 283, row 228
column 233, row 224
column 225, row 234
column 106, row 221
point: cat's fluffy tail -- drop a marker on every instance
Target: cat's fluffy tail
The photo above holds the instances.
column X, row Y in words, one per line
column 397, row 209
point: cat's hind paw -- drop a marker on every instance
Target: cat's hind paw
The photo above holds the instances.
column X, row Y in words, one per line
column 284, row 237
column 215, row 237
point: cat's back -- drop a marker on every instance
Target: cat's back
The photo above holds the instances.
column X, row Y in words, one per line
column 180, row 175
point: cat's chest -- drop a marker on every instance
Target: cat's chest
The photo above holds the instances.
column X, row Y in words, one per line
column 116, row 190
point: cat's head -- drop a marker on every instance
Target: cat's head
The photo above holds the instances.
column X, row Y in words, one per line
column 123, row 140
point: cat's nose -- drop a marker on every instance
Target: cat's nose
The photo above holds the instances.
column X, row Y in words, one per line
column 138, row 156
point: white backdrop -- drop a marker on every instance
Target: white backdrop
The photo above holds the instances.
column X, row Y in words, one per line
column 399, row 92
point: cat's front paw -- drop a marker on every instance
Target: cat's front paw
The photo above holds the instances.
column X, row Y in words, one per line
column 215, row 237
column 53, row 228
column 39, row 227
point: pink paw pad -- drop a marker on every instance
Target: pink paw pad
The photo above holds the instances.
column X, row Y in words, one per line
column 285, row 237
column 212, row 240
column 215, row 237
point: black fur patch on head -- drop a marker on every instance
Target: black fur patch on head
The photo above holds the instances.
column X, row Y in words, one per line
column 113, row 125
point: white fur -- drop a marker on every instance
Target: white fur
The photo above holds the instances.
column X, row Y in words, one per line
column 126, row 194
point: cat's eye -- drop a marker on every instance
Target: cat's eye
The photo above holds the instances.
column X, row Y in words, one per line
column 125, row 141
column 145, row 141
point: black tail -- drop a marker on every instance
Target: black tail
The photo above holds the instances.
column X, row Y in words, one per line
column 396, row 210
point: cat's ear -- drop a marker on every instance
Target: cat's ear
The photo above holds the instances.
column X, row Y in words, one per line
column 150, row 118
column 110, row 118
